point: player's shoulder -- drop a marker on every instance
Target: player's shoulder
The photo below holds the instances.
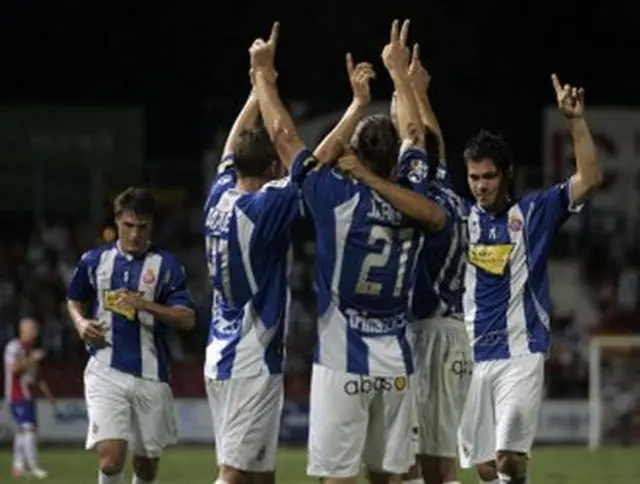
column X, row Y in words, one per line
column 13, row 347
column 91, row 257
column 168, row 257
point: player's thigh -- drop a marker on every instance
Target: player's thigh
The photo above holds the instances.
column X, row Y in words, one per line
column 154, row 422
column 247, row 421
column 338, row 420
column 108, row 403
column 476, row 435
column 442, row 389
column 518, row 395
column 389, row 446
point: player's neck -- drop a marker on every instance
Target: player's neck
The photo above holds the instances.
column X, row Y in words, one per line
column 249, row 184
column 132, row 253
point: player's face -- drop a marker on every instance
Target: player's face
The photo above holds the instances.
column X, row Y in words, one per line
column 485, row 182
column 134, row 232
column 28, row 331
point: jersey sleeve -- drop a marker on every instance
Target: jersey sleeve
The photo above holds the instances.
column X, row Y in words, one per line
column 443, row 177
column 174, row 292
column 321, row 186
column 82, row 287
column 11, row 354
column 555, row 204
column 225, row 167
column 274, row 208
column 413, row 168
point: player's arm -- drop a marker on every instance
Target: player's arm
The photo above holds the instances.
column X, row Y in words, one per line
column 413, row 204
column 246, row 120
column 333, row 144
column 43, row 386
column 420, row 80
column 588, row 176
column 276, row 118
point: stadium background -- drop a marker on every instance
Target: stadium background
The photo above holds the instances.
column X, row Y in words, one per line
column 94, row 99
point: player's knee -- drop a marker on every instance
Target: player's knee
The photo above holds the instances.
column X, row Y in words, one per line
column 230, row 475
column 511, row 463
column 487, row 471
column 437, row 469
column 111, row 456
column 412, row 474
column 145, row 468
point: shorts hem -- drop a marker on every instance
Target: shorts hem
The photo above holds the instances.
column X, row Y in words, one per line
column 437, row 453
column 334, row 475
column 245, row 466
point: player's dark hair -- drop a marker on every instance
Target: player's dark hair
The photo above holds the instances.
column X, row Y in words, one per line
column 254, row 152
column 137, row 200
column 377, row 144
column 487, row 145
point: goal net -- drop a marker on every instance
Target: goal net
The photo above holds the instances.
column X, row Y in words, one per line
column 614, row 391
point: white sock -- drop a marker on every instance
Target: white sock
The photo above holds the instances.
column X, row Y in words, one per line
column 453, row 482
column 30, row 448
column 220, row 481
column 18, row 451
column 105, row 479
column 414, row 481
column 506, row 479
column 137, row 480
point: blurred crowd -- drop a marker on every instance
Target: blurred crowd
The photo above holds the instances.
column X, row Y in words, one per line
column 595, row 290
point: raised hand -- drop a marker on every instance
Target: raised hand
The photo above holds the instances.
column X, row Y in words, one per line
column 395, row 54
column 359, row 78
column 570, row 98
column 418, row 74
column 263, row 53
column 351, row 165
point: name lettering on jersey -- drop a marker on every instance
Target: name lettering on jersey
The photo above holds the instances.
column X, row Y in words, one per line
column 112, row 300
column 218, row 221
column 364, row 324
column 383, row 212
column 490, row 258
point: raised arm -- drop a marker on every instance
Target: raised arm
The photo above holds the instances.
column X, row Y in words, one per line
column 588, row 175
column 411, row 203
column 332, row 145
column 245, row 120
column 420, row 80
column 276, row 117
column 395, row 56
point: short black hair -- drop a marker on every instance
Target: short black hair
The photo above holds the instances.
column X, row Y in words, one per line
column 377, row 143
column 137, row 200
column 254, row 153
column 492, row 146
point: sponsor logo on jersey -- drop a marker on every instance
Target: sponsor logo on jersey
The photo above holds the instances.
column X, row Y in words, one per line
column 491, row 258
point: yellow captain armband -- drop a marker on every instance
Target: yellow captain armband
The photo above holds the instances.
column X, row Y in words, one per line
column 490, row 258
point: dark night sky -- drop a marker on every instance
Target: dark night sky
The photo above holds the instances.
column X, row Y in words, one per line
column 489, row 60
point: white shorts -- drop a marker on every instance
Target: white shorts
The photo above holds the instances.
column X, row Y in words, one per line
column 246, row 420
column 442, row 377
column 356, row 419
column 502, row 407
column 125, row 407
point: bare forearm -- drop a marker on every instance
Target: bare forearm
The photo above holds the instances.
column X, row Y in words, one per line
column 409, row 123
column 410, row 203
column 245, row 120
column 180, row 318
column 588, row 171
column 46, row 391
column 428, row 117
column 331, row 146
column 277, row 119
column 76, row 312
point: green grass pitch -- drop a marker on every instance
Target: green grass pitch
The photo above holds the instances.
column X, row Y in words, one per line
column 193, row 465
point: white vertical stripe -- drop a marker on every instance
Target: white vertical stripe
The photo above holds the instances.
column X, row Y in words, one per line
column 104, row 272
column 147, row 285
column 245, row 231
column 519, row 274
column 469, row 306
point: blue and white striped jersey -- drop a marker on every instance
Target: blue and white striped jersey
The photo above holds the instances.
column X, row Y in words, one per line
column 506, row 300
column 440, row 280
column 248, row 237
column 137, row 342
column 365, row 268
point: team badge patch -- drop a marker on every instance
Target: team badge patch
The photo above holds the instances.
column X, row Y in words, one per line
column 149, row 277
column 400, row 383
column 418, row 171
column 515, row 224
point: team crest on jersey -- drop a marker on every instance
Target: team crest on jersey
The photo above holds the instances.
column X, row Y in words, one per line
column 418, row 171
column 149, row 277
column 515, row 223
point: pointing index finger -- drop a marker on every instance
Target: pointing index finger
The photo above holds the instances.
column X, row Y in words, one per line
column 275, row 32
column 349, row 63
column 556, row 83
column 404, row 32
column 416, row 53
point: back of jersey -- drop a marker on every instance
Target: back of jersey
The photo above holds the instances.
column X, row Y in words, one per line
column 247, row 236
column 365, row 267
